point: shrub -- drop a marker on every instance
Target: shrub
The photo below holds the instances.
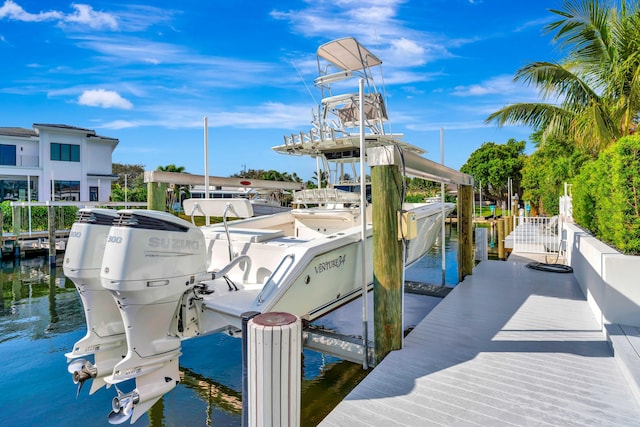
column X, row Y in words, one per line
column 606, row 195
column 64, row 217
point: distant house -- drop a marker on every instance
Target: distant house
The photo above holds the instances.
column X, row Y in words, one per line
column 55, row 162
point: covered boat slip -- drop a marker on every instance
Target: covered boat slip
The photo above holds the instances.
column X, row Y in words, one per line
column 508, row 346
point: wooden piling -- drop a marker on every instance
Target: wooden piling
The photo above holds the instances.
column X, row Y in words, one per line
column 465, row 231
column 16, row 216
column 52, row 235
column 386, row 182
column 500, row 227
column 157, row 196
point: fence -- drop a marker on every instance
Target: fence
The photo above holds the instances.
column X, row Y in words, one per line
column 535, row 235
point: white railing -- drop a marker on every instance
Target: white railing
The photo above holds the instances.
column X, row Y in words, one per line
column 536, row 235
column 325, row 195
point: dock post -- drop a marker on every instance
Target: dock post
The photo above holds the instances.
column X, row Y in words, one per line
column 387, row 260
column 245, row 359
column 482, row 244
column 501, row 235
column 52, row 235
column 274, row 369
column 157, row 196
column 16, row 230
column 465, row 231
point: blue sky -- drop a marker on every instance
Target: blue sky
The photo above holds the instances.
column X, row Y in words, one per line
column 147, row 72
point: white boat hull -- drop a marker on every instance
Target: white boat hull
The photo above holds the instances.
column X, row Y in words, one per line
column 316, row 275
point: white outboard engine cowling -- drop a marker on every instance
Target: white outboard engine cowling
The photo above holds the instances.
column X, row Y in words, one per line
column 105, row 338
column 151, row 260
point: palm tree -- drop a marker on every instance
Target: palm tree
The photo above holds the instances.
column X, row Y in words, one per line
column 175, row 191
column 597, row 85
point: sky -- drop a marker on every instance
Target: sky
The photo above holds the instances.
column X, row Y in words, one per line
column 147, row 73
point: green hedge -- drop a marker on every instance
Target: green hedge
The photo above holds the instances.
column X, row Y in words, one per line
column 606, row 196
column 65, row 217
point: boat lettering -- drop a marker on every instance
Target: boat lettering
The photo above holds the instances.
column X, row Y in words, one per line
column 166, row 243
column 333, row 263
column 75, row 234
column 114, row 239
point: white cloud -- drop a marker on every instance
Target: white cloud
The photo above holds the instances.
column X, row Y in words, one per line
column 377, row 26
column 84, row 15
column 104, row 98
column 13, row 11
column 496, row 85
column 270, row 115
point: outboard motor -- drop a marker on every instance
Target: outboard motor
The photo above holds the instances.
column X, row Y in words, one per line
column 151, row 260
column 105, row 338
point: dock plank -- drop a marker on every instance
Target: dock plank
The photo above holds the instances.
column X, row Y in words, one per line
column 508, row 346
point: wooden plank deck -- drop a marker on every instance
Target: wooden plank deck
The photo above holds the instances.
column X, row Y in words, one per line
column 508, row 346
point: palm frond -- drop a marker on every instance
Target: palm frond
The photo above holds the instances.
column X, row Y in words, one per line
column 556, row 81
column 583, row 29
column 535, row 115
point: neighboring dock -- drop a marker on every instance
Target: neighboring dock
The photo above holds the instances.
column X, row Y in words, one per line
column 508, row 346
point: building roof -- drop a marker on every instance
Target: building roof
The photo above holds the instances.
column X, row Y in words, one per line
column 89, row 132
column 13, row 131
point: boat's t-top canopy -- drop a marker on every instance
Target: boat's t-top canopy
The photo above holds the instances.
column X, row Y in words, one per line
column 335, row 135
column 348, row 55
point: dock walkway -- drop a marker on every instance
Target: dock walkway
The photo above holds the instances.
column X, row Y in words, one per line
column 508, row 346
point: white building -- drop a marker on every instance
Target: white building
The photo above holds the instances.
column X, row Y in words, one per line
column 55, row 162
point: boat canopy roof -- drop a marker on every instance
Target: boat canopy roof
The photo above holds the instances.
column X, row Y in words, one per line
column 348, row 54
column 348, row 146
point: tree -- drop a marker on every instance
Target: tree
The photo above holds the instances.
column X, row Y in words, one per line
column 546, row 170
column 171, row 168
column 134, row 173
column 324, row 176
column 422, row 187
column 270, row 175
column 136, row 188
column 596, row 87
column 176, row 192
column 493, row 164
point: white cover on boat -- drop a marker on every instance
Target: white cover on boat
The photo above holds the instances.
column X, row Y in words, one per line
column 216, row 207
column 348, row 54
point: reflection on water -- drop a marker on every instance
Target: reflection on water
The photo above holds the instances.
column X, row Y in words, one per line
column 41, row 317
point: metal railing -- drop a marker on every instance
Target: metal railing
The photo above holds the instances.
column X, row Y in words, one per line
column 541, row 235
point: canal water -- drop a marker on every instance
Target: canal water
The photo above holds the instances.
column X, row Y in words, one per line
column 41, row 317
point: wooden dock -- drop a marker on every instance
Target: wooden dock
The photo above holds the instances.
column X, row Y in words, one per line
column 508, row 346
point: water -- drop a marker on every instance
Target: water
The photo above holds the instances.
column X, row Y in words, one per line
column 41, row 317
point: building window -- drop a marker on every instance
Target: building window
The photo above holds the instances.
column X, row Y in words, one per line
column 7, row 155
column 93, row 194
column 65, row 152
column 16, row 189
column 66, row 190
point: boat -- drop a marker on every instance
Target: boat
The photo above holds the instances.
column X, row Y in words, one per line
column 263, row 201
column 171, row 280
